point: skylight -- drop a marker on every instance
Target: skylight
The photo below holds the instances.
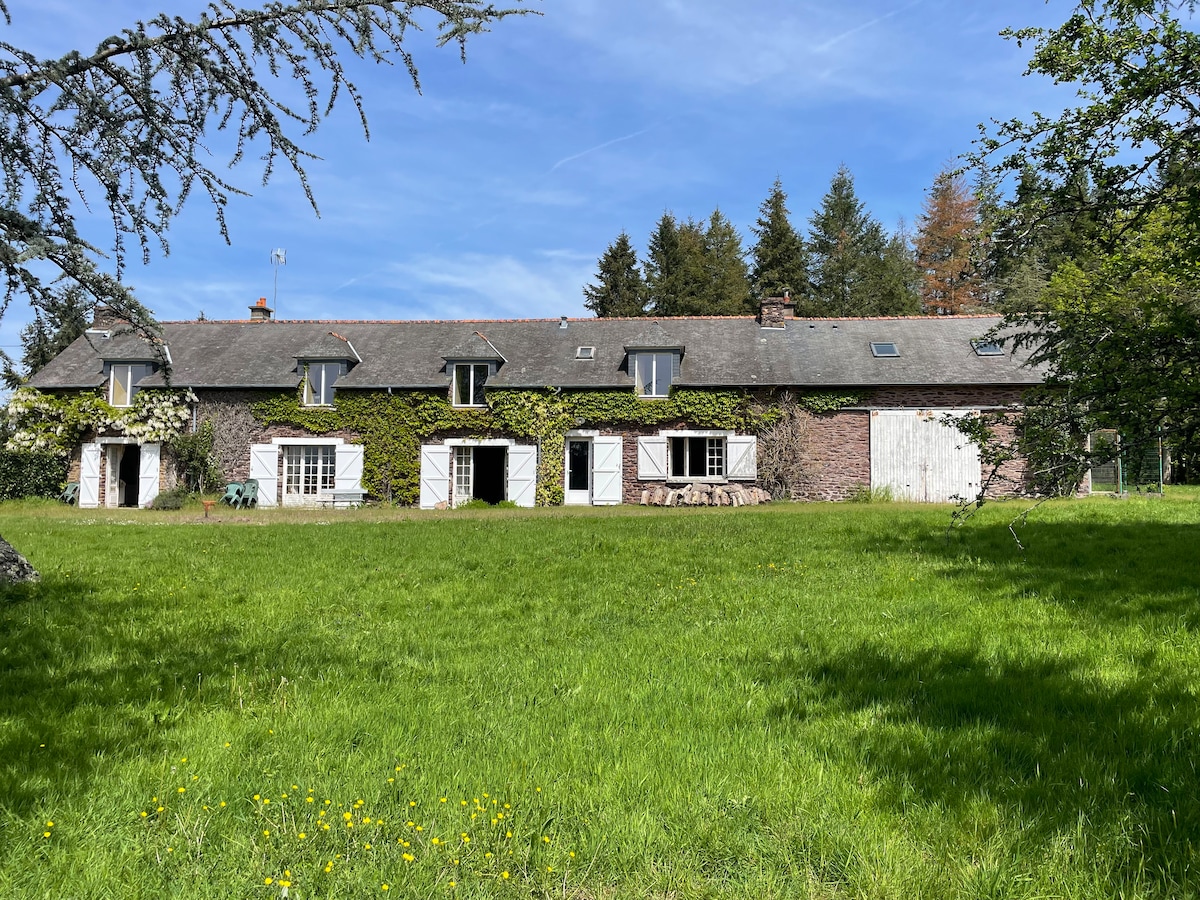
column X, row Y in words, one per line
column 987, row 348
column 585, row 353
column 884, row 348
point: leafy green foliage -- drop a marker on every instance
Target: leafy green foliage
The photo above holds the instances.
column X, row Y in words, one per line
column 55, row 423
column 129, row 126
column 27, row 474
column 620, row 288
column 194, row 461
column 63, row 317
column 172, row 499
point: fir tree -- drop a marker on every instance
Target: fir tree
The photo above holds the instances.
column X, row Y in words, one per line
column 779, row 257
column 847, row 247
column 674, row 267
column 892, row 284
column 726, row 291
column 621, row 290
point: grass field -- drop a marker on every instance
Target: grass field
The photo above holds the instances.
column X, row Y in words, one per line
column 800, row 701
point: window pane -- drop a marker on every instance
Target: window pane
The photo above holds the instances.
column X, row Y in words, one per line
column 462, row 385
column 662, row 374
column 678, row 447
column 480, row 377
column 577, row 465
column 716, row 457
column 696, row 463
column 645, row 373
column 120, row 385
column 328, row 467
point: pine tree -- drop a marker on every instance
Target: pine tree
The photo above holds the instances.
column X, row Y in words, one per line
column 621, row 290
column 779, row 257
column 892, row 283
column 947, row 238
column 674, row 267
column 847, row 247
column 727, row 286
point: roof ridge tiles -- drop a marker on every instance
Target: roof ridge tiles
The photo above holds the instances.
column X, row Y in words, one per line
column 569, row 319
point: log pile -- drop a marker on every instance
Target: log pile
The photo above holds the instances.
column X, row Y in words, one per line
column 706, row 495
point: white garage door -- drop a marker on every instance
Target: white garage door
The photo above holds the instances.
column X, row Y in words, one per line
column 917, row 457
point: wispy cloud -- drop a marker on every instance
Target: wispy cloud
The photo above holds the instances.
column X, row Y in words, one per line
column 598, row 147
column 850, row 32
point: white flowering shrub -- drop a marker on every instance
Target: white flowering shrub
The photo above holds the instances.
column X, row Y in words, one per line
column 49, row 423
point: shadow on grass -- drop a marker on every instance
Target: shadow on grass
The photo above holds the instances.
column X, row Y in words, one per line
column 77, row 692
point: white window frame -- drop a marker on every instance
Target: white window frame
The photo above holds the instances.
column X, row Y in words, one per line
column 472, row 368
column 316, row 395
column 655, row 359
column 132, row 385
column 716, row 453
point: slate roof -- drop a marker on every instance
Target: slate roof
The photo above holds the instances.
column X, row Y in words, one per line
column 721, row 352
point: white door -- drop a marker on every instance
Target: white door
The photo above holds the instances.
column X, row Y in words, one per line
column 578, row 491
column 435, row 475
column 148, row 474
column 89, row 476
column 264, row 468
column 522, row 474
column 607, row 452
column 916, row 456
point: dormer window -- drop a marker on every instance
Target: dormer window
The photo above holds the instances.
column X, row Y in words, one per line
column 319, row 378
column 469, row 379
column 884, row 349
column 653, row 372
column 123, row 381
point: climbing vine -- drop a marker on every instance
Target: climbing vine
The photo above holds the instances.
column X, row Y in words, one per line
column 392, row 427
column 55, row 423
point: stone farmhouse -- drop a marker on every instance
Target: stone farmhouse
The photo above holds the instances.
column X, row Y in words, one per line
column 542, row 412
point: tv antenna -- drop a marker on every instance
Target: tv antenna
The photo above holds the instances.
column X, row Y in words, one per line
column 278, row 258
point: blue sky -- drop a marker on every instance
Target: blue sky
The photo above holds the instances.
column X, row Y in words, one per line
column 492, row 193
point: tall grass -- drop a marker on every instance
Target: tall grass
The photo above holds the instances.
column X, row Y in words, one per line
column 803, row 701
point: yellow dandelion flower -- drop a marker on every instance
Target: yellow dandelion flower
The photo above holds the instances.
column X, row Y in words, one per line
column 572, row 854
column 170, row 849
column 321, row 814
column 308, row 799
column 268, row 880
column 266, row 833
column 49, row 824
column 454, row 884
column 443, row 800
column 181, row 790
column 256, row 797
column 45, row 834
column 347, row 816
column 508, row 834
column 326, row 826
column 538, row 789
column 463, row 803
column 391, row 781
column 183, row 760
column 420, row 828
column 383, row 887
column 227, row 744
column 267, row 801
column 366, row 820
column 407, row 857
column 160, row 809
column 329, row 868
column 412, row 803
column 435, row 841
column 295, row 787
column 222, row 803
column 504, row 874
column 488, row 855
column 366, row 846
column 545, row 840
column 284, row 883
column 327, row 802
column 302, row 835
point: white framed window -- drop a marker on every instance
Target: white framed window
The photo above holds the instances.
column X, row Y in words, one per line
column 464, row 458
column 653, row 373
column 308, row 470
column 319, row 378
column 123, row 381
column 690, row 458
column 469, row 379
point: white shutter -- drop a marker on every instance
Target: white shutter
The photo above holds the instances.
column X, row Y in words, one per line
column 264, row 468
column 148, row 474
column 349, row 469
column 742, row 450
column 89, row 476
column 652, row 458
column 435, row 475
column 522, row 474
column 606, row 470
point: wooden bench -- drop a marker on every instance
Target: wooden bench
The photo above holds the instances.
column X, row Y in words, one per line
column 341, row 499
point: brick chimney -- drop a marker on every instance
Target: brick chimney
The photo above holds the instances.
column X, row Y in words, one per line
column 105, row 318
column 773, row 311
column 260, row 312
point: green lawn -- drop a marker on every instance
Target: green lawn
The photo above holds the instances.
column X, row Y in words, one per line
column 824, row 701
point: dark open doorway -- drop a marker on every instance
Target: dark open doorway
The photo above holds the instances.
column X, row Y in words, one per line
column 128, row 475
column 489, row 475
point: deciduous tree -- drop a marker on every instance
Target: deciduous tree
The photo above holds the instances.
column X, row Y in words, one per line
column 947, row 235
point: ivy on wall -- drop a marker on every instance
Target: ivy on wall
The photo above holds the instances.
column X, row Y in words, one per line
column 392, row 427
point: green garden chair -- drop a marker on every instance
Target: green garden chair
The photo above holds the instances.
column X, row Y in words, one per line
column 70, row 494
column 233, row 493
column 249, row 494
